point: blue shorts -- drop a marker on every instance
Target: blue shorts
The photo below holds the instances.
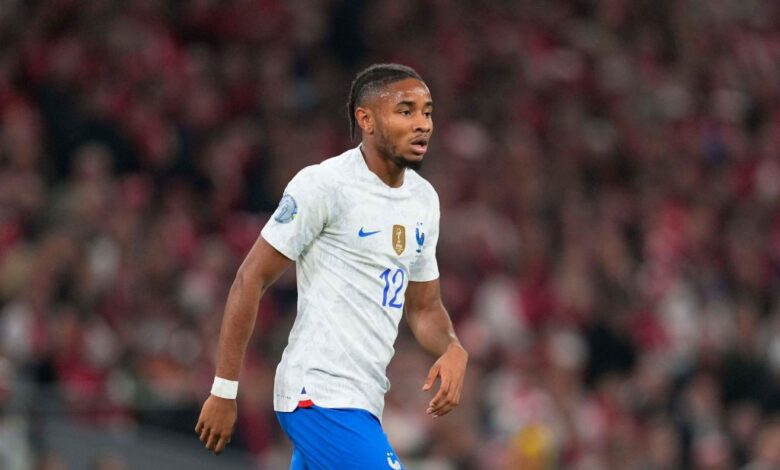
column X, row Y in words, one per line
column 328, row 439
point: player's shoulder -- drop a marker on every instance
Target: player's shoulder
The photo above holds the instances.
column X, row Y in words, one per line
column 320, row 175
column 421, row 186
column 327, row 171
column 308, row 180
column 337, row 166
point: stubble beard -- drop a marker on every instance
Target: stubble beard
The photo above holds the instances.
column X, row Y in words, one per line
column 389, row 151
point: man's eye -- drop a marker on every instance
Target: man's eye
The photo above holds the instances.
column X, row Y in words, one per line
column 406, row 113
column 428, row 114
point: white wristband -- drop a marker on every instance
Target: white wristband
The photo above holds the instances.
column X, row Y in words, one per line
column 224, row 388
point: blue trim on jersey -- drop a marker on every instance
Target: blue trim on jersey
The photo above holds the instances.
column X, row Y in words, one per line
column 329, row 438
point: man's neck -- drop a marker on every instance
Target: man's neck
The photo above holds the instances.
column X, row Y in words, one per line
column 387, row 170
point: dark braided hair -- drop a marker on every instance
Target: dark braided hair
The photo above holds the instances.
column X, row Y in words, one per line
column 372, row 79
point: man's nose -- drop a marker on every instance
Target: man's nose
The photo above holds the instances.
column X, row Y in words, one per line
column 422, row 123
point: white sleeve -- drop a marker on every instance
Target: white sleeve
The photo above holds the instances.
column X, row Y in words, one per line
column 425, row 268
column 301, row 215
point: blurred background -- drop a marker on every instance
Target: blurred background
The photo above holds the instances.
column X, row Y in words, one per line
column 609, row 174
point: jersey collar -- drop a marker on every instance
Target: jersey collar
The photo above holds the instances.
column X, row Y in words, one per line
column 368, row 175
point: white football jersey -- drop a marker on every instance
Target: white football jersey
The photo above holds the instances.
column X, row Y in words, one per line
column 357, row 243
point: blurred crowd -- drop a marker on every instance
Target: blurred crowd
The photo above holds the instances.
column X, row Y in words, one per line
column 609, row 173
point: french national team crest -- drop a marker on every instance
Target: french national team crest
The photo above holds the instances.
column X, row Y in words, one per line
column 399, row 239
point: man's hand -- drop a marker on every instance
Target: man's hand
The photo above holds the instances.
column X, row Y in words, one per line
column 215, row 425
column 451, row 368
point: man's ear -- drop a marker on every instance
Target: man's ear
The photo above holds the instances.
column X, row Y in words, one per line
column 365, row 119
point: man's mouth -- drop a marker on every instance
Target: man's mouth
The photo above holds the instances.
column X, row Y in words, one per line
column 419, row 145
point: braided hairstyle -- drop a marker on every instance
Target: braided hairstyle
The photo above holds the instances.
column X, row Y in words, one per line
column 372, row 79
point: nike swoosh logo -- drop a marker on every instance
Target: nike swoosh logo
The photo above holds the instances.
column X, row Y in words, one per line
column 363, row 234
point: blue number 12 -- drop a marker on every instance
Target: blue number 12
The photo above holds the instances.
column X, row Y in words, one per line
column 392, row 281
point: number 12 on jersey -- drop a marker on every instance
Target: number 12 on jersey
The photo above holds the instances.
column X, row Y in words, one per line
column 393, row 281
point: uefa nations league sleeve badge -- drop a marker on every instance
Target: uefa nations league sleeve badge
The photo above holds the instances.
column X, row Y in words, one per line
column 287, row 210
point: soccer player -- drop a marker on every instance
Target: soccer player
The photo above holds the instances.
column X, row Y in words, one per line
column 362, row 229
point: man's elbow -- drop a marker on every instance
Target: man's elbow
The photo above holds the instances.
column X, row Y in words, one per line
column 416, row 315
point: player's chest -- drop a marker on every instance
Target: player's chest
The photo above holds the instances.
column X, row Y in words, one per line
column 385, row 230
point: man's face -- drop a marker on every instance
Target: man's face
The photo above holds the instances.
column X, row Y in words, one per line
column 404, row 123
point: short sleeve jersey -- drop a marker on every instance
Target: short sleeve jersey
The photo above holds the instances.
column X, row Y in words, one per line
column 357, row 243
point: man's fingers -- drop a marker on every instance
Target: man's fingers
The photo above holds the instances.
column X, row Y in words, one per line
column 444, row 388
column 204, row 434
column 434, row 404
column 441, row 396
column 198, row 427
column 212, row 442
column 223, row 441
column 431, row 377
column 437, row 409
column 446, row 409
column 447, row 398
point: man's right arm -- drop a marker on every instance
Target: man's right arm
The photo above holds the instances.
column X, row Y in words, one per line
column 262, row 266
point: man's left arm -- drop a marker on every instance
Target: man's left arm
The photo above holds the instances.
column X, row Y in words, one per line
column 431, row 325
